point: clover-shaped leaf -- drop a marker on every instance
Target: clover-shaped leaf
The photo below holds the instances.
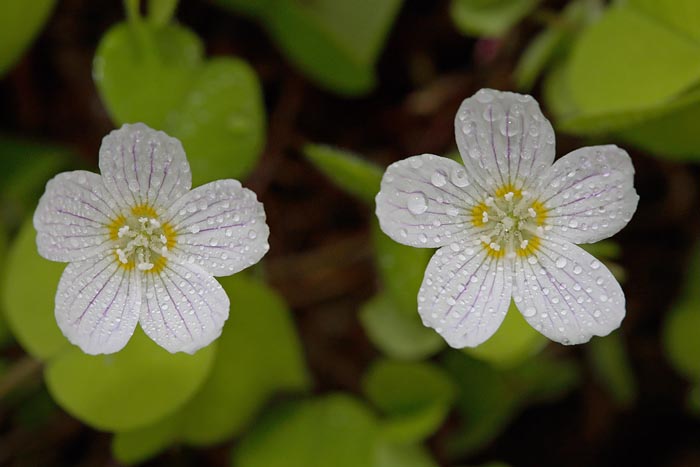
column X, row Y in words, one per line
column 28, row 308
column 347, row 170
column 489, row 17
column 334, row 42
column 514, row 341
column 413, row 397
column 397, row 333
column 129, row 389
column 20, row 22
column 135, row 387
column 247, row 371
column 336, row 430
column 157, row 74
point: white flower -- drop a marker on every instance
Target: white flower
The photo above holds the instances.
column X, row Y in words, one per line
column 143, row 248
column 506, row 223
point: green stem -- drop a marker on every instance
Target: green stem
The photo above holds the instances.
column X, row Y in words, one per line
column 161, row 12
column 140, row 29
column 18, row 374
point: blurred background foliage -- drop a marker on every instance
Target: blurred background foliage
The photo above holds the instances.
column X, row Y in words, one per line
column 324, row 361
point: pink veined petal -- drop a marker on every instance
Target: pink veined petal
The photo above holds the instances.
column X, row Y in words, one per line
column 141, row 166
column 97, row 304
column 589, row 194
column 73, row 216
column 184, row 308
column 220, row 227
column 567, row 294
column 504, row 139
column 465, row 294
column 426, row 201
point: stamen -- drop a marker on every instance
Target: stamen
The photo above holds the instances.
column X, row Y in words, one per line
column 142, row 242
column 122, row 256
column 512, row 222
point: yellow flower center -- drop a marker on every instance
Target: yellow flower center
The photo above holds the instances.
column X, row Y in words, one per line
column 511, row 222
column 141, row 240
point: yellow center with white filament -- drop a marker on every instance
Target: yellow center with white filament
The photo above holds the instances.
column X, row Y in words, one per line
column 141, row 240
column 511, row 222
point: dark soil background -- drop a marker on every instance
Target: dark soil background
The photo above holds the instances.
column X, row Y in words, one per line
column 321, row 258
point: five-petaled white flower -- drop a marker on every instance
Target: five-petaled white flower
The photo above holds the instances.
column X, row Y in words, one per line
column 143, row 248
column 506, row 223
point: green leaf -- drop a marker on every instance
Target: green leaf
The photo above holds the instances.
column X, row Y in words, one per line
column 673, row 135
column 335, row 430
column 679, row 15
column 611, row 365
column 20, row 22
column 28, row 297
column 680, row 337
column 334, row 42
column 485, row 402
column 156, row 75
column 25, row 166
column 143, row 73
column 349, row 171
column 396, row 333
column 136, row 446
column 401, row 269
column 129, row 389
column 258, row 355
column 536, row 56
column 489, row 17
column 693, row 399
column 221, row 121
column 403, row 455
column 489, row 397
column 514, row 341
column 555, row 41
column 415, row 398
column 644, row 64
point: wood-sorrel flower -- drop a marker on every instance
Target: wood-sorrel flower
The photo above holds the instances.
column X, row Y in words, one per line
column 506, row 223
column 143, row 248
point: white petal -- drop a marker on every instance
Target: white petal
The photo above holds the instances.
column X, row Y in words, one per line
column 589, row 193
column 184, row 308
column 567, row 294
column 97, row 304
column 465, row 294
column 141, row 166
column 425, row 201
column 221, row 227
column 73, row 216
column 504, row 139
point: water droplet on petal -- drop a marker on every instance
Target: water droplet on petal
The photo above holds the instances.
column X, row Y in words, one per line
column 417, row 203
column 438, row 178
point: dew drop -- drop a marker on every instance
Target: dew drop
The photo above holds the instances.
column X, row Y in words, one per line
column 459, row 177
column 417, row 203
column 438, row 179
